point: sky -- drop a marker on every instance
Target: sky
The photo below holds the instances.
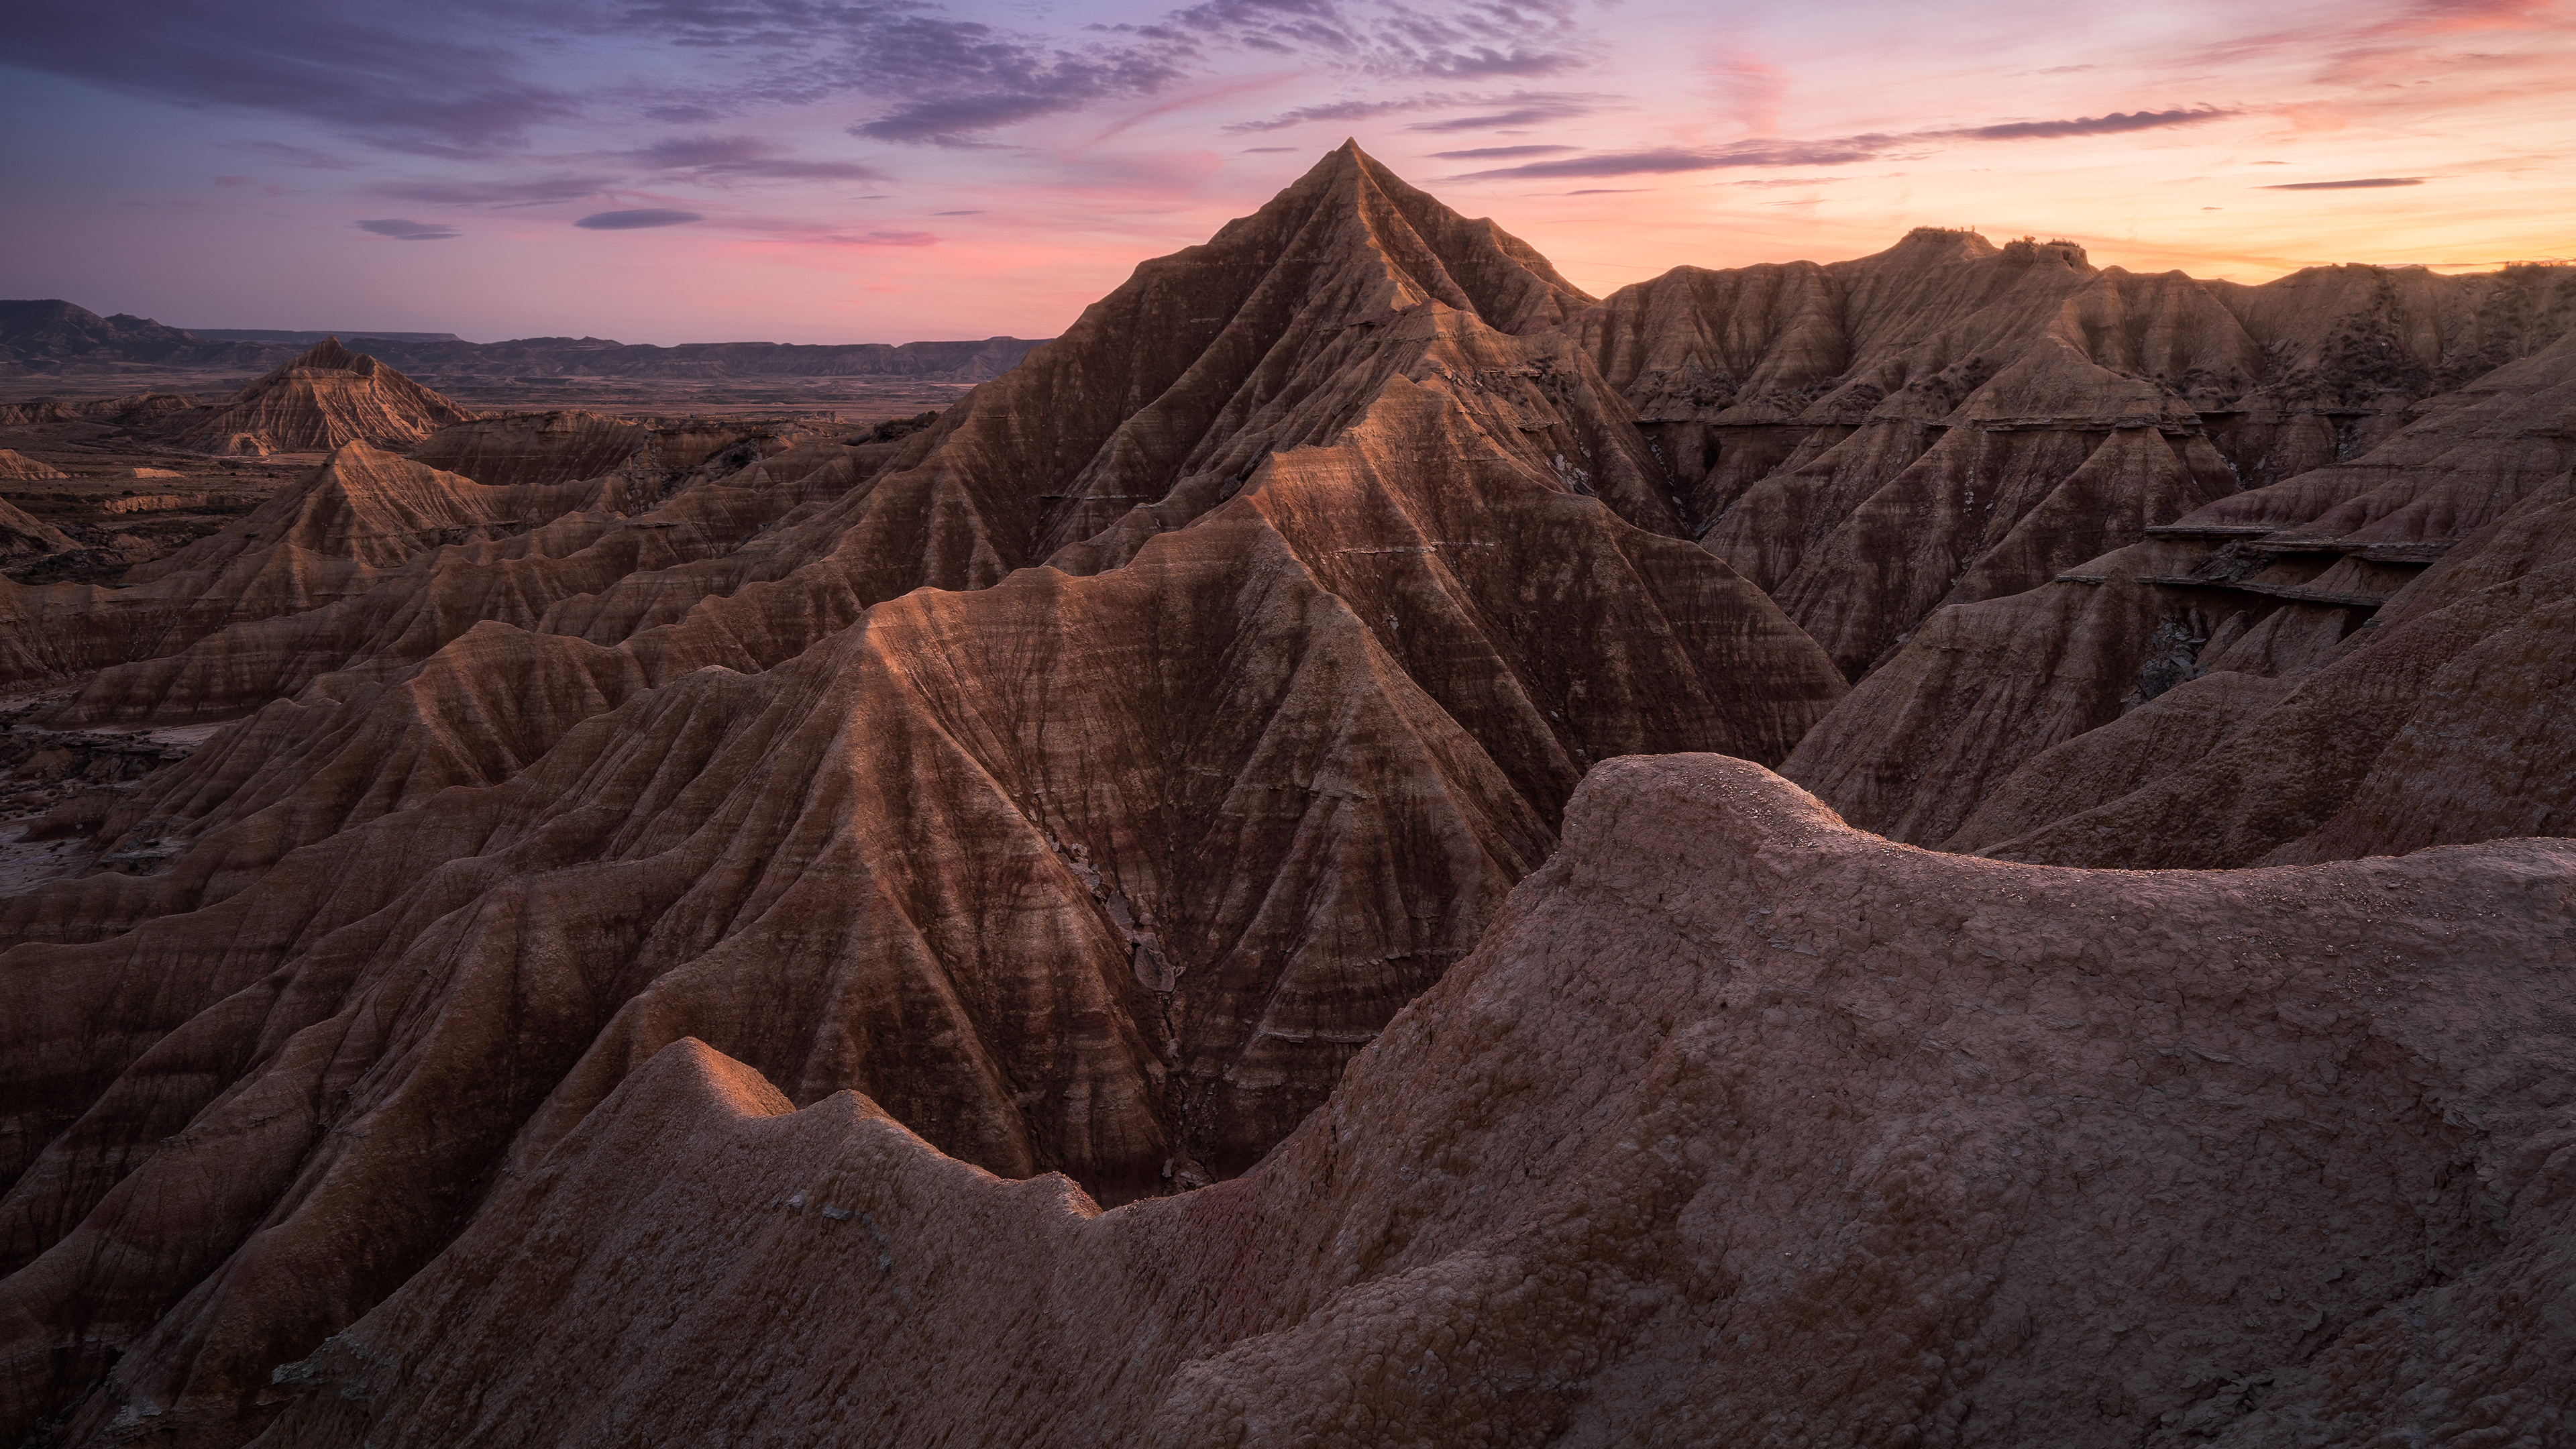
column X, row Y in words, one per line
column 891, row 170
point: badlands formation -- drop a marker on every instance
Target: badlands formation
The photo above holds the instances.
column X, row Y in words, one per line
column 1232, row 889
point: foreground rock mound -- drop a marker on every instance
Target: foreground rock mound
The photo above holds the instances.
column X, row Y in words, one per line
column 1738, row 1118
column 321, row 400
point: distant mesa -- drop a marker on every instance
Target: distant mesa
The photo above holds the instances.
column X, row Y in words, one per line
column 56, row 338
column 307, row 339
column 636, row 220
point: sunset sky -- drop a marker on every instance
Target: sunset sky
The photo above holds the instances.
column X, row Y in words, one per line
column 811, row 171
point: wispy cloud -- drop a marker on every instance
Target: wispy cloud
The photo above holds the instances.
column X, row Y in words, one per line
column 496, row 192
column 1520, row 108
column 1838, row 152
column 1338, row 111
column 404, row 77
column 404, row 230
column 1499, row 153
column 719, row 158
column 2363, row 184
column 2110, row 125
column 636, row 220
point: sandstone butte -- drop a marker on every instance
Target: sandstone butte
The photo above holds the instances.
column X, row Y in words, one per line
column 684, row 935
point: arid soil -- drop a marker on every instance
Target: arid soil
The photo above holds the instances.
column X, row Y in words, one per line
column 1229, row 886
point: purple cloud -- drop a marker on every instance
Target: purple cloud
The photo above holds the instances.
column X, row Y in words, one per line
column 2367, row 181
column 403, row 230
column 497, row 193
column 1674, row 159
column 1838, row 152
column 716, row 157
column 380, row 70
column 1498, row 153
column 1524, row 107
column 636, row 220
column 2108, row 125
column 1526, row 110
column 1335, row 111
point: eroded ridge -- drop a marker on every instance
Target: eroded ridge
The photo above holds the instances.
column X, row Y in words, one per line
column 1738, row 1118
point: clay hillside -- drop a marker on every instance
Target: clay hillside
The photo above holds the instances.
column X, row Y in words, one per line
column 1134, row 913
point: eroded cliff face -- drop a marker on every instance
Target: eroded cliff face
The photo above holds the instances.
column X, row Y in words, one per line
column 1948, row 421
column 668, row 849
column 2218, row 692
column 1737, row 1118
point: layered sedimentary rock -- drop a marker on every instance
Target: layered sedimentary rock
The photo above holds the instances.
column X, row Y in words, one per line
column 340, row 534
column 1738, row 1122
column 17, row 465
column 2409, row 592
column 557, row 447
column 1107, row 867
column 1948, row 421
column 323, row 399
column 23, row 536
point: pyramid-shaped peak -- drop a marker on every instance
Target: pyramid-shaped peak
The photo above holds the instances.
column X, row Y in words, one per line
column 327, row 397
column 1430, row 252
column 329, row 356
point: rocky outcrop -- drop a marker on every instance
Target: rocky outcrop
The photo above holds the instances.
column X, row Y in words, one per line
column 17, row 465
column 343, row 532
column 1949, row 422
column 23, row 536
column 1737, row 1118
column 523, row 448
column 326, row 398
column 2338, row 597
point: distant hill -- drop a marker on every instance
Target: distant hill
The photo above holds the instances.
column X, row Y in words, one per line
column 308, row 339
column 55, row 336
column 49, row 335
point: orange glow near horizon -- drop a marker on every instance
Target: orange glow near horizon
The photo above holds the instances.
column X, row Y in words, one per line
column 1621, row 139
